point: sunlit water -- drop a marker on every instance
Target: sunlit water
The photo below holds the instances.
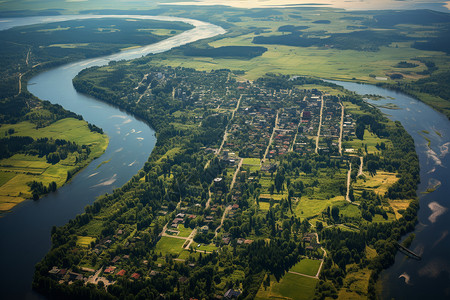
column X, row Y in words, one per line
column 25, row 232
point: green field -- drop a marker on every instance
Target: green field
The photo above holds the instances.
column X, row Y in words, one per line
column 19, row 169
column 307, row 266
column 207, row 248
column 167, row 245
column 291, row 286
column 251, row 161
column 309, row 207
column 85, row 241
column 184, row 232
column 355, row 285
column 312, row 61
column 370, row 139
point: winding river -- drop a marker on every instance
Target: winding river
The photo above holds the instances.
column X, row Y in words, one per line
column 25, row 232
column 430, row 277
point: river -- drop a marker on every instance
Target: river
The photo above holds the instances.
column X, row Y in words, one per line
column 430, row 277
column 25, row 232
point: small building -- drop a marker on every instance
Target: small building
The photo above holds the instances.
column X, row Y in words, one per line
column 204, row 229
column 230, row 294
column 121, row 272
column 135, row 276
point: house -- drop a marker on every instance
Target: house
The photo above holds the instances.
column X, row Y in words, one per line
column 135, row 276
column 75, row 276
column 54, row 271
column 230, row 294
column 109, row 270
column 204, row 229
column 115, row 259
column 226, row 240
column 307, row 239
column 121, row 272
column 178, row 220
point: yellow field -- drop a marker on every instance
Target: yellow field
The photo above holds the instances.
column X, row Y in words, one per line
column 85, row 241
column 18, row 170
column 399, row 205
column 378, row 183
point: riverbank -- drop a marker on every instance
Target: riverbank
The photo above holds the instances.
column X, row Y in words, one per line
column 19, row 170
column 429, row 277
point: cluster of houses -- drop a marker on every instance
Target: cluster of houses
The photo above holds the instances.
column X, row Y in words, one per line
column 288, row 121
column 250, row 132
column 330, row 130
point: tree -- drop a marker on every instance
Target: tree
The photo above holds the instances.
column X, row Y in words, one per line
column 359, row 131
column 335, row 213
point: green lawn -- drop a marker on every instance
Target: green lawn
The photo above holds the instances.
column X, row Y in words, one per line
column 167, row 245
column 307, row 266
column 349, row 210
column 203, row 247
column 291, row 286
column 252, row 161
column 370, row 139
column 310, row 207
column 184, row 232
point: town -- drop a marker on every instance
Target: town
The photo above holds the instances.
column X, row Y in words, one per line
column 273, row 162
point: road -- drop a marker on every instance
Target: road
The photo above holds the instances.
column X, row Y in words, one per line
column 20, row 84
column 227, row 209
column 275, row 127
column 342, row 128
column 360, row 171
column 208, row 203
column 347, row 196
column 320, row 125
column 235, row 174
column 321, row 262
column 190, row 238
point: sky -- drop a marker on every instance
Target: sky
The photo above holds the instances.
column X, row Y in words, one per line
column 76, row 5
column 346, row 4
